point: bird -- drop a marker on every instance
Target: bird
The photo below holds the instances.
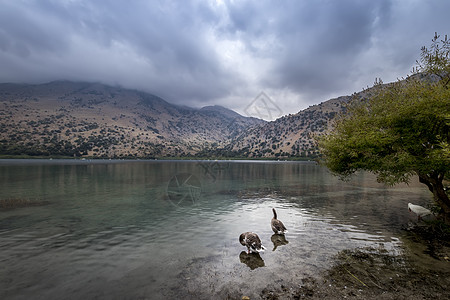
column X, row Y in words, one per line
column 420, row 211
column 277, row 226
column 252, row 241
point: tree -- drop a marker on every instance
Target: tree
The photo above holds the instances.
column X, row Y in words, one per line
column 402, row 130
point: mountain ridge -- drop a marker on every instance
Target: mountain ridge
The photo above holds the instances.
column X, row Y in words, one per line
column 92, row 119
column 291, row 135
column 96, row 120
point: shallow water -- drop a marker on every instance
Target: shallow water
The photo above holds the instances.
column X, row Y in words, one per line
column 168, row 229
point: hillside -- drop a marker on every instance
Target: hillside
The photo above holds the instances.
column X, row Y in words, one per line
column 96, row 120
column 291, row 135
column 92, row 119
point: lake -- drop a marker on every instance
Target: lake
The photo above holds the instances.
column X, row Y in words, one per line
column 98, row 229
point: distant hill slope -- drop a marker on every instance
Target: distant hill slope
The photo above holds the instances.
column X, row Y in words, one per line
column 288, row 136
column 92, row 119
column 291, row 135
column 96, row 120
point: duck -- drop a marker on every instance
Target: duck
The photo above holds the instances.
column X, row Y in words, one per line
column 252, row 241
column 420, row 211
column 277, row 226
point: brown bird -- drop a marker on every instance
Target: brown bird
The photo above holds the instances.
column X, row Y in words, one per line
column 251, row 241
column 277, row 225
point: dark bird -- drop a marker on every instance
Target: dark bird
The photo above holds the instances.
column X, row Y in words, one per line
column 277, row 226
column 251, row 241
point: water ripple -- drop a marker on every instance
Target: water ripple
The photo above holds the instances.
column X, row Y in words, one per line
column 111, row 232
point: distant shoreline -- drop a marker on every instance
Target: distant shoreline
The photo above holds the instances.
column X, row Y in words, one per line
column 26, row 157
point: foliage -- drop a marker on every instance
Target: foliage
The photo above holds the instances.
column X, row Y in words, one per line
column 402, row 130
column 436, row 59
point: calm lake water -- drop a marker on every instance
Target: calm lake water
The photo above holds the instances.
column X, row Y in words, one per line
column 169, row 229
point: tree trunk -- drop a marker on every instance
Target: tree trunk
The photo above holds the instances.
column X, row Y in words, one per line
column 435, row 185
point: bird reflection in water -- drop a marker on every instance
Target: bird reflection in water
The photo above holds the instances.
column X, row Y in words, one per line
column 278, row 240
column 252, row 260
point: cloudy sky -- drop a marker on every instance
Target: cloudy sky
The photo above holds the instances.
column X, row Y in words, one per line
column 209, row 52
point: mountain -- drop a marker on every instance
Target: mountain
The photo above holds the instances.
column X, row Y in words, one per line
column 96, row 120
column 92, row 119
column 288, row 136
column 292, row 135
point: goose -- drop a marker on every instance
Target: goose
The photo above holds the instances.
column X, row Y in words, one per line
column 420, row 211
column 277, row 225
column 251, row 241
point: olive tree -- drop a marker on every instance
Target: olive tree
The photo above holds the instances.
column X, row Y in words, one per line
column 401, row 130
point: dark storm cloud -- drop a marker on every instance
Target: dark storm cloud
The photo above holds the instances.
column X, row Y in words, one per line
column 218, row 52
column 167, row 37
column 316, row 42
column 320, row 54
column 329, row 48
